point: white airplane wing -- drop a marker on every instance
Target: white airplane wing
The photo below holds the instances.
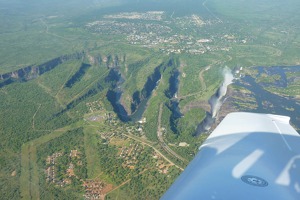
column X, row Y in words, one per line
column 248, row 156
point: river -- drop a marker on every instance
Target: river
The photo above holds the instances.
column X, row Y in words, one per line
column 267, row 102
column 276, row 104
column 114, row 95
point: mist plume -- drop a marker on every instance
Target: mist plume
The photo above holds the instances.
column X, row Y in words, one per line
column 216, row 102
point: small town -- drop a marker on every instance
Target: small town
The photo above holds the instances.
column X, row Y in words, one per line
column 129, row 151
column 153, row 35
column 165, row 34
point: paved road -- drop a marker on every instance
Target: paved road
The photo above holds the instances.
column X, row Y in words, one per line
column 150, row 145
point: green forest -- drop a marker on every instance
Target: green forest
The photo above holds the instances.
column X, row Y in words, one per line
column 103, row 99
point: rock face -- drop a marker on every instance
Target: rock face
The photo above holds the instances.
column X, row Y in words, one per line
column 139, row 98
column 31, row 72
column 228, row 105
column 18, row 73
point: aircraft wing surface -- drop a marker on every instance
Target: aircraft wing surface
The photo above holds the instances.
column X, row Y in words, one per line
column 248, row 156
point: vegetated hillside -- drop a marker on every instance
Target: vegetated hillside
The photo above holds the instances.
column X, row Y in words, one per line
column 36, row 103
column 56, row 77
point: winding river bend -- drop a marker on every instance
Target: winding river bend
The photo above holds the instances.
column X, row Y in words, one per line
column 140, row 98
column 173, row 104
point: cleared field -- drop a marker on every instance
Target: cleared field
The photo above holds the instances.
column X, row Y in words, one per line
column 92, row 153
column 29, row 179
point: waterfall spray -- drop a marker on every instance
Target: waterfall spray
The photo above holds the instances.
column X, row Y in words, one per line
column 215, row 102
